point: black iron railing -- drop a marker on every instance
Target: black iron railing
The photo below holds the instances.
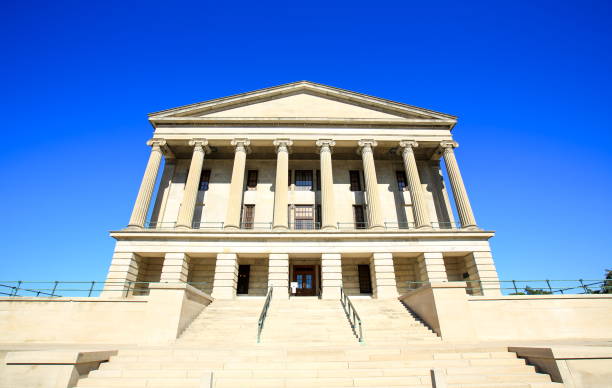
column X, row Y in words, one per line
column 532, row 287
column 264, row 314
column 351, row 314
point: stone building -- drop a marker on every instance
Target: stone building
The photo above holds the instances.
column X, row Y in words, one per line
column 307, row 184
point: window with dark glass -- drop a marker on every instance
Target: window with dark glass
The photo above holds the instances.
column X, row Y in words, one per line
column 355, row 179
column 304, row 217
column 252, row 180
column 365, row 279
column 204, row 180
column 303, row 180
column 248, row 215
column 318, row 177
column 359, row 216
column 318, row 217
column 401, row 180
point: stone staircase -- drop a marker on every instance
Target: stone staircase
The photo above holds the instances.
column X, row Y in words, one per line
column 308, row 343
column 388, row 322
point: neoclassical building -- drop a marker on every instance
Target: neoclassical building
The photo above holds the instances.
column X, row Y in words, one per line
column 305, row 188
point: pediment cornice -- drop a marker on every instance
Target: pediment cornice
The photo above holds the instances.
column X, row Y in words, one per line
column 223, row 110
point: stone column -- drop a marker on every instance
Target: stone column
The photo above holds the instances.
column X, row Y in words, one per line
column 278, row 275
column 466, row 216
column 331, row 275
column 123, row 270
column 175, row 268
column 419, row 206
column 431, row 267
column 145, row 193
column 328, row 206
column 185, row 216
column 483, row 279
column 280, row 186
column 234, row 203
column 383, row 272
column 375, row 220
column 226, row 276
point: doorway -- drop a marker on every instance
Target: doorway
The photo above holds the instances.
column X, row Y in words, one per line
column 304, row 277
column 244, row 272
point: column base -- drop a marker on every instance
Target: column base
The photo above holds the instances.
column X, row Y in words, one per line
column 329, row 227
column 376, row 228
column 280, row 228
column 470, row 227
column 182, row 227
column 135, row 227
column 231, row 227
column 424, row 227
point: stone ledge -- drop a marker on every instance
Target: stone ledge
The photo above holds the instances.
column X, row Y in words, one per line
column 58, row 357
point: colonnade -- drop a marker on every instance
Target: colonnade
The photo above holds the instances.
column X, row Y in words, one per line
column 325, row 149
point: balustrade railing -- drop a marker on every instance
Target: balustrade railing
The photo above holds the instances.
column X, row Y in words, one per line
column 351, row 314
column 305, row 225
column 264, row 314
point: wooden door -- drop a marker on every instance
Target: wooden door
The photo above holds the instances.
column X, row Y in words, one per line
column 304, row 276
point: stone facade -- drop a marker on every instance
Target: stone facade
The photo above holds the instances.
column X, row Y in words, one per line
column 302, row 176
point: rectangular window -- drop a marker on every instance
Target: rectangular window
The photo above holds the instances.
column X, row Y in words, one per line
column 318, row 180
column 303, row 180
column 401, row 180
column 252, row 180
column 318, row 217
column 204, row 180
column 304, row 217
column 289, row 178
column 355, row 179
column 248, row 215
column 359, row 217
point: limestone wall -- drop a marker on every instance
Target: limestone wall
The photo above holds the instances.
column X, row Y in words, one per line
column 72, row 320
column 350, row 275
column 202, row 270
column 405, row 271
column 258, row 276
column 530, row 317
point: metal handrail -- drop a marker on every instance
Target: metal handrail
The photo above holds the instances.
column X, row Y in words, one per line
column 351, row 314
column 306, row 225
column 518, row 287
column 207, row 225
column 53, row 288
column 399, row 225
column 256, row 225
column 264, row 313
column 160, row 225
column 352, row 225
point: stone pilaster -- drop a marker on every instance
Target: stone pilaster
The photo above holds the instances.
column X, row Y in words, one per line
column 123, row 271
column 431, row 267
column 464, row 209
column 226, row 276
column 375, row 219
column 145, row 193
column 185, row 216
column 331, row 275
column 483, row 278
column 234, row 203
column 421, row 216
column 383, row 279
column 175, row 268
column 280, row 221
column 328, row 206
column 278, row 275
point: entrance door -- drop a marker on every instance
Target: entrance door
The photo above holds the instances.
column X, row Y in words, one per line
column 243, row 279
column 304, row 276
column 365, row 280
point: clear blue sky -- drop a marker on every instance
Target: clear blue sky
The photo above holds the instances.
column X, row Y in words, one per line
column 530, row 82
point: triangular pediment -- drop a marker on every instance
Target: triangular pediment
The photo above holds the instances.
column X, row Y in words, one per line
column 302, row 102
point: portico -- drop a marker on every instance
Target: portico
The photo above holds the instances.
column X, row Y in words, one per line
column 303, row 171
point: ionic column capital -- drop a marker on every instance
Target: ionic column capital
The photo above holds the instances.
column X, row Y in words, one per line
column 156, row 143
column 325, row 145
column 366, row 145
column 406, row 146
column 283, row 145
column 200, row 145
column 446, row 144
column 241, row 145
